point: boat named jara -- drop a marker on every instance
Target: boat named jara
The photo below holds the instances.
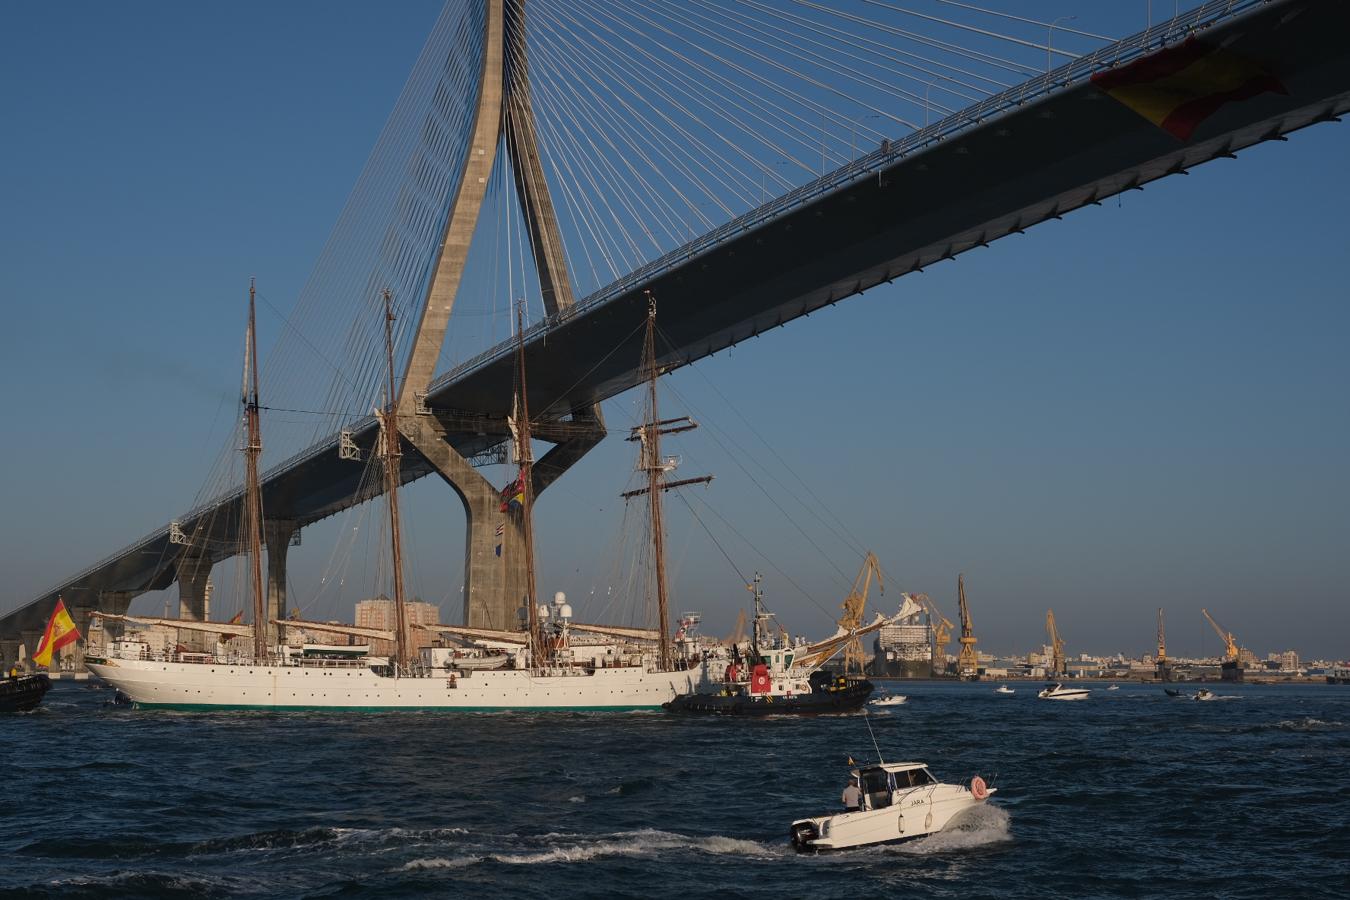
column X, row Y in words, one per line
column 895, row 802
column 1060, row 692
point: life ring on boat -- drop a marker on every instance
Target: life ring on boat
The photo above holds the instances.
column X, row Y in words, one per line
column 978, row 789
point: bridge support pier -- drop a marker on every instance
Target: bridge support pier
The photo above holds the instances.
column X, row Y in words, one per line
column 117, row 603
column 76, row 652
column 277, row 533
column 194, row 578
column 9, row 652
column 30, row 638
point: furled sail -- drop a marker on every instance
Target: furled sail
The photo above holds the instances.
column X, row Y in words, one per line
column 379, row 634
column 620, row 631
column 481, row 634
column 227, row 629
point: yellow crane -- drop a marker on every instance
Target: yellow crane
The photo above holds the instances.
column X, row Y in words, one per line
column 967, row 664
column 1230, row 645
column 942, row 632
column 854, row 606
column 737, row 636
column 1057, row 665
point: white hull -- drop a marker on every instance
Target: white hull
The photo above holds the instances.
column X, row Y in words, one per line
column 1065, row 695
column 237, row 686
column 914, row 813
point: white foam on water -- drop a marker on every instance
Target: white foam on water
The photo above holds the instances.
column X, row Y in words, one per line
column 458, row 862
column 979, row 826
column 1307, row 724
column 579, row 798
column 647, row 842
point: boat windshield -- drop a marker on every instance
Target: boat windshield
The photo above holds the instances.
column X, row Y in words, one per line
column 913, row 778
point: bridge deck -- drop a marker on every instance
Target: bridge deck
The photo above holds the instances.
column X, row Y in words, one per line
column 1037, row 151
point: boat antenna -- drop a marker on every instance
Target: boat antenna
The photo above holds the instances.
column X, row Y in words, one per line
column 868, row 720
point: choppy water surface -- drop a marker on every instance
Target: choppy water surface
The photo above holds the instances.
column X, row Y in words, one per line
column 1130, row 794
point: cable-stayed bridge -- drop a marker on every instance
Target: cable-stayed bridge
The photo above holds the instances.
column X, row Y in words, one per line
column 1200, row 86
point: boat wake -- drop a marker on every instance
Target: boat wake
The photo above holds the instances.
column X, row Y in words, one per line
column 1305, row 724
column 980, row 826
column 574, row 849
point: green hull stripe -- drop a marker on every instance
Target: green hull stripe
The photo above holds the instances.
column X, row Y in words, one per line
column 211, row 707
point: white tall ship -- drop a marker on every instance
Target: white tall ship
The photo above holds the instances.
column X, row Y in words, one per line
column 300, row 681
column 544, row 666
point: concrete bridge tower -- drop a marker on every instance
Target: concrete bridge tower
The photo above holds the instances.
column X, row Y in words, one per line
column 494, row 583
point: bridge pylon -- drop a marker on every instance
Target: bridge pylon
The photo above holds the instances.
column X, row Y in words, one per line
column 494, row 565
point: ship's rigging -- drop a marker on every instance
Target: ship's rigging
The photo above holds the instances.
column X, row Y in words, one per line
column 655, row 466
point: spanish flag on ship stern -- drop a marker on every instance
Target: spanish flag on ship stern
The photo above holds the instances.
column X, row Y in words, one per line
column 60, row 631
column 1179, row 87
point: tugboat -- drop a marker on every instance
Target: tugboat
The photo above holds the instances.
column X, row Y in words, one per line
column 781, row 679
column 20, row 693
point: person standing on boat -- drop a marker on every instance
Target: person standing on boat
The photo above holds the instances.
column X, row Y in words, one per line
column 852, row 798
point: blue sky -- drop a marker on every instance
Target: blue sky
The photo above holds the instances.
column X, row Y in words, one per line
column 1141, row 405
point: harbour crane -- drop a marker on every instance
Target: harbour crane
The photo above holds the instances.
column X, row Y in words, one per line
column 942, row 632
column 1230, row 645
column 854, row 606
column 1057, row 665
column 1162, row 641
column 967, row 664
column 738, row 635
column 1163, row 669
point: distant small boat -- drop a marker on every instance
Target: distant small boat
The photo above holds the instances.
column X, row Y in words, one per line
column 1114, row 687
column 889, row 700
column 1206, row 694
column 1060, row 692
column 1004, row 689
column 1172, row 692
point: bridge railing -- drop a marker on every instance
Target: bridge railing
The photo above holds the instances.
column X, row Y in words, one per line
column 1068, row 75
column 1071, row 73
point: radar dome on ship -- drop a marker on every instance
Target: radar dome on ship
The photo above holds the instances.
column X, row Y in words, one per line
column 559, row 598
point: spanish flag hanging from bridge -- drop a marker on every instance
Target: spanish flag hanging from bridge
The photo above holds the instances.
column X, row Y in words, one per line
column 1179, row 87
column 60, row 631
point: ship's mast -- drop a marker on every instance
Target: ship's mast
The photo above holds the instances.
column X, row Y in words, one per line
column 757, row 629
column 651, row 461
column 252, row 492
column 392, row 477
column 525, row 459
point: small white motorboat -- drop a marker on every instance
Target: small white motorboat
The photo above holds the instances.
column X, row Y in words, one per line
column 897, row 802
column 1114, row 687
column 1004, row 689
column 1206, row 694
column 889, row 700
column 1060, row 692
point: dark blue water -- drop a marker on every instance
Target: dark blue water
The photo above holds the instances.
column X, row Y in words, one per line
column 1130, row 794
